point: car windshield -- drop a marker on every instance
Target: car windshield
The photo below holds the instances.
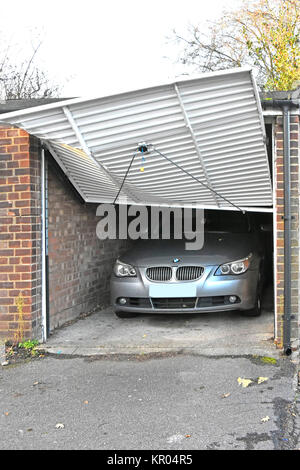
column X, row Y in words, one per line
column 226, row 221
column 214, row 221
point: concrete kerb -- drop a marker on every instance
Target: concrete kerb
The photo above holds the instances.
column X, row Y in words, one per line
column 148, row 352
column 3, row 360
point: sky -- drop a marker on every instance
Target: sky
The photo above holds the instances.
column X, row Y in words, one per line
column 97, row 48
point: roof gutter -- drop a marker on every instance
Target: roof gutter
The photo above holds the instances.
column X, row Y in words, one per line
column 286, row 105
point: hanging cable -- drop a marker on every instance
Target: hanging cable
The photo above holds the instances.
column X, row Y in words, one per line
column 125, row 176
column 196, row 179
column 145, row 148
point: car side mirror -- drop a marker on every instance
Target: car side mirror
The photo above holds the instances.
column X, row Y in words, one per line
column 266, row 227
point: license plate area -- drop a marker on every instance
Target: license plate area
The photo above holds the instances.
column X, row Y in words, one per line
column 180, row 289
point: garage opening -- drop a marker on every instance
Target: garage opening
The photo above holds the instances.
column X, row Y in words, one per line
column 229, row 237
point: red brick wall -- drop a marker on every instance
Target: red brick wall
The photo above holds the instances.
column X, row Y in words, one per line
column 20, row 225
column 79, row 263
column 279, row 189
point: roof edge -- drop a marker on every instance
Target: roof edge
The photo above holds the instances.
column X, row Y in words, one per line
column 71, row 101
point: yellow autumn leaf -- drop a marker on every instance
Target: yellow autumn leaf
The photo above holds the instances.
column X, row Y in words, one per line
column 244, row 382
column 265, row 419
column 262, row 379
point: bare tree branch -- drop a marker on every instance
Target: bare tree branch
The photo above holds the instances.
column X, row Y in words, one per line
column 24, row 79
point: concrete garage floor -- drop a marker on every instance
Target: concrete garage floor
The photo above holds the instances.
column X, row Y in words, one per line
column 224, row 333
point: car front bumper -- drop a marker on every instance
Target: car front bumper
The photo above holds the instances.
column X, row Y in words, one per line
column 212, row 294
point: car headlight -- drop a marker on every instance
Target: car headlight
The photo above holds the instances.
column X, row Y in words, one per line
column 236, row 267
column 124, row 270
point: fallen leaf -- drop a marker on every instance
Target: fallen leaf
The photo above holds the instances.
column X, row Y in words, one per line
column 175, row 438
column 244, row 382
column 268, row 360
column 265, row 419
column 225, row 395
column 59, row 426
column 262, row 379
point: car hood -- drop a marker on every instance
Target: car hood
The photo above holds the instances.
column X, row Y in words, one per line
column 218, row 248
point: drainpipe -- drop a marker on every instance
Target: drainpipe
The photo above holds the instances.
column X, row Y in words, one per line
column 286, row 106
column 287, row 230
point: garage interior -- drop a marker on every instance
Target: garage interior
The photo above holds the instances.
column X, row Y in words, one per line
column 78, row 177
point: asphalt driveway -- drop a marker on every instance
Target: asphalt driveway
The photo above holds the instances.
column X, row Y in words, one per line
column 209, row 334
column 179, row 403
column 189, row 382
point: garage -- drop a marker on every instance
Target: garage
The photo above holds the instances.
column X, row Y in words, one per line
column 196, row 144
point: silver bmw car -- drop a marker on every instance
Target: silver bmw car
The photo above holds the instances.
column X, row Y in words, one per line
column 161, row 276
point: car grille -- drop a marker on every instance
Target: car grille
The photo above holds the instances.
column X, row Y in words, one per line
column 190, row 302
column 215, row 301
column 160, row 273
column 211, row 301
column 138, row 302
column 189, row 273
column 174, row 302
column 183, row 273
column 177, row 302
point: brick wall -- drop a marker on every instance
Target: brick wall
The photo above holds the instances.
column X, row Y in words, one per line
column 20, row 235
column 279, row 188
column 79, row 263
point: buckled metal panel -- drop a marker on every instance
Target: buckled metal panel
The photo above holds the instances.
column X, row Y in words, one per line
column 211, row 126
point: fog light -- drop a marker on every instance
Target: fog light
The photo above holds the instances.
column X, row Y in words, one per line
column 232, row 299
column 122, row 301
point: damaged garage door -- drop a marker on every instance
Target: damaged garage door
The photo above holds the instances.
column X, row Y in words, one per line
column 197, row 142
